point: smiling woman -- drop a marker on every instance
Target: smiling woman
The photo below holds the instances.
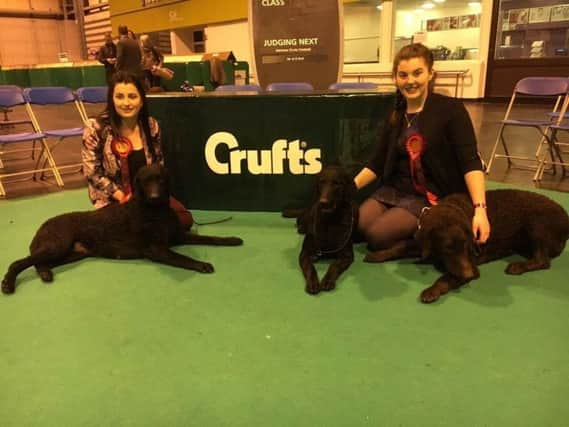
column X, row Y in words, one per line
column 121, row 140
column 427, row 150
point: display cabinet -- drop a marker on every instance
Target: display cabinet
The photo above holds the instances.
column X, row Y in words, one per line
column 529, row 38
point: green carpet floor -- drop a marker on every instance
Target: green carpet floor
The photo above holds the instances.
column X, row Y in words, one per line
column 131, row 343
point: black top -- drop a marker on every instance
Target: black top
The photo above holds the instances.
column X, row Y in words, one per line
column 450, row 146
column 136, row 160
column 402, row 180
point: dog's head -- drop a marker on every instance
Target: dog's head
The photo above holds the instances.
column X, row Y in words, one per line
column 447, row 242
column 151, row 185
column 335, row 187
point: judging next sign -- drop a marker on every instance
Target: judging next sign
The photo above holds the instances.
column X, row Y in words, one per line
column 296, row 40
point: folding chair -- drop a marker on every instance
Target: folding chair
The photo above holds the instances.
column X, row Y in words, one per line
column 557, row 147
column 10, row 124
column 52, row 96
column 290, row 87
column 89, row 95
column 353, row 86
column 537, row 87
column 238, row 88
column 11, row 97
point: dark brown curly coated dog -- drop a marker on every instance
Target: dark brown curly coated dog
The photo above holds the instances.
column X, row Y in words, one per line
column 328, row 226
column 522, row 222
column 144, row 227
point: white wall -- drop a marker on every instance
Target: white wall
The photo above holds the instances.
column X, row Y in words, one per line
column 181, row 41
column 43, row 5
column 25, row 42
column 233, row 37
column 361, row 33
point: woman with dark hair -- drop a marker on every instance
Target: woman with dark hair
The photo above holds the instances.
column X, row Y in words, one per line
column 427, row 150
column 119, row 141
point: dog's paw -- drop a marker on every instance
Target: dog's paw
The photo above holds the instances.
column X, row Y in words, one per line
column 233, row 241
column 204, row 267
column 8, row 286
column 312, row 288
column 515, row 268
column 46, row 276
column 377, row 256
column 327, row 284
column 430, row 295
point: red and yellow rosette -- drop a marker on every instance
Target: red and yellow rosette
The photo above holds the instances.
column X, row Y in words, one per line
column 415, row 146
column 122, row 147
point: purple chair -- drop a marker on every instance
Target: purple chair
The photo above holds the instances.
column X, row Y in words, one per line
column 353, row 86
column 57, row 95
column 89, row 95
column 7, row 122
column 290, row 87
column 238, row 88
column 12, row 97
column 557, row 147
column 545, row 87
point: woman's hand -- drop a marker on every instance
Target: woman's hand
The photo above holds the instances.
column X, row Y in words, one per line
column 480, row 225
column 90, row 137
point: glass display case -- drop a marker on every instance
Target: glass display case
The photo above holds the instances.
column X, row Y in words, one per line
column 532, row 29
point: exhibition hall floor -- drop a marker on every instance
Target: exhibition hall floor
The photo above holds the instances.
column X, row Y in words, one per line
column 114, row 343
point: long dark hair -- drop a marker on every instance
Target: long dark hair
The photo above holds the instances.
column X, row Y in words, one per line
column 413, row 50
column 112, row 118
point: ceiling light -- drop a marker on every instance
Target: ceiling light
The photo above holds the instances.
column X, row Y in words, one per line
column 428, row 5
column 439, row 1
column 474, row 4
column 379, row 7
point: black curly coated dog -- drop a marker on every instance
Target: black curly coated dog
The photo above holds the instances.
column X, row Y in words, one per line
column 328, row 226
column 144, row 227
column 522, row 222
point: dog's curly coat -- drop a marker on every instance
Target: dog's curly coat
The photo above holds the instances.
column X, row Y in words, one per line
column 328, row 226
column 144, row 227
column 523, row 223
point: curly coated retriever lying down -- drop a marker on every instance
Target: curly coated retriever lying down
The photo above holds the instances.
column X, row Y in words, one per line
column 328, row 226
column 144, row 227
column 522, row 222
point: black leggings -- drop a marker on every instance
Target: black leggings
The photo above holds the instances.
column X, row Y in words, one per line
column 384, row 225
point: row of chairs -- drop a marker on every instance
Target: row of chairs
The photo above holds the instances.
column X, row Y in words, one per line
column 38, row 135
column 296, row 87
column 549, row 149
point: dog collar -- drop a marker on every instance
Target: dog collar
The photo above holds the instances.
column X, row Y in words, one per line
column 423, row 212
column 320, row 251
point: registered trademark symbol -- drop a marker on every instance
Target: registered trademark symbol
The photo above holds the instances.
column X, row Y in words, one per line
column 303, row 144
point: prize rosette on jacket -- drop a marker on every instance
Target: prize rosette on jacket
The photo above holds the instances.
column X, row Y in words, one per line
column 415, row 146
column 122, row 147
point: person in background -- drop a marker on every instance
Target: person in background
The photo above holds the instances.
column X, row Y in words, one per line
column 151, row 60
column 121, row 140
column 128, row 53
column 108, row 56
column 427, row 150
